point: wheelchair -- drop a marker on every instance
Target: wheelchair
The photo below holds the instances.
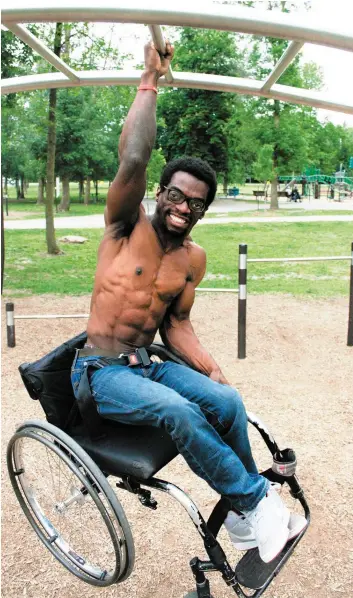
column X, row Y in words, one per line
column 60, row 480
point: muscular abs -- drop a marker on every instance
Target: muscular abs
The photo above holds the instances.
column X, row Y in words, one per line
column 135, row 283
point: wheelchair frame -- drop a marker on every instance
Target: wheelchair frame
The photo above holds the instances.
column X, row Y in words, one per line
column 250, row 572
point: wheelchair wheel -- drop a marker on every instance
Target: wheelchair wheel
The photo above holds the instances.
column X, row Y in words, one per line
column 70, row 504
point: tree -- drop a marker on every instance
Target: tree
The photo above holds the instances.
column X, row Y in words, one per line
column 154, row 168
column 263, row 167
column 50, row 172
column 279, row 124
column 16, row 59
column 196, row 120
column 243, row 142
column 71, row 150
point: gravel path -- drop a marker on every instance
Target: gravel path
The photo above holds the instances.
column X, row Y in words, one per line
column 298, row 377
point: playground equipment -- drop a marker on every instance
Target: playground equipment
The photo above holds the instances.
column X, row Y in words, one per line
column 339, row 186
column 241, row 290
column 242, row 298
column 298, row 29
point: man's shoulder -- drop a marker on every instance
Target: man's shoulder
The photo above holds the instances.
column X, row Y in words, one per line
column 193, row 248
column 197, row 254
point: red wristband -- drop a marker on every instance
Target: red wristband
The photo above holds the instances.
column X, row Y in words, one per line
column 147, row 87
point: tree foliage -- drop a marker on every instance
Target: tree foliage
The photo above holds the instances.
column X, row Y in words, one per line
column 196, row 121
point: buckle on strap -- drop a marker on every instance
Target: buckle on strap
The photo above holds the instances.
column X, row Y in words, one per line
column 139, row 357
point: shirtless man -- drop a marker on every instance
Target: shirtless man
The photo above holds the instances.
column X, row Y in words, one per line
column 145, row 281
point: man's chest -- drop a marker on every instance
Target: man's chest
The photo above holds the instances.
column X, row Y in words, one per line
column 142, row 266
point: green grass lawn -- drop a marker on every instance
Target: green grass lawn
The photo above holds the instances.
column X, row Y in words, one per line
column 278, row 213
column 30, row 270
column 32, row 210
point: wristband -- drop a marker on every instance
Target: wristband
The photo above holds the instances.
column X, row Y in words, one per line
column 147, row 87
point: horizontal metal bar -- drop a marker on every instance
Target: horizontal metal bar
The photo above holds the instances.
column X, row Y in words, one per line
column 284, row 93
column 214, row 290
column 159, row 43
column 283, row 63
column 300, row 259
column 50, row 316
column 209, row 16
column 28, row 38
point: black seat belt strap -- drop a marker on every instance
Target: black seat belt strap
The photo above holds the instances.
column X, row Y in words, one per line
column 87, row 405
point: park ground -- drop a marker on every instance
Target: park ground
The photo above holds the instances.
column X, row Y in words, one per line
column 297, row 377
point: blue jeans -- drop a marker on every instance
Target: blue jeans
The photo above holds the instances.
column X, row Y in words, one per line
column 206, row 420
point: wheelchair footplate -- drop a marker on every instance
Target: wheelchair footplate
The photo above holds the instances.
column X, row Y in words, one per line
column 251, row 571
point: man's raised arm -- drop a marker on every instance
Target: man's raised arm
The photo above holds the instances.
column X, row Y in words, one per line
column 136, row 141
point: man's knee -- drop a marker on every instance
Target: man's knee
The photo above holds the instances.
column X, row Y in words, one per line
column 178, row 411
column 231, row 406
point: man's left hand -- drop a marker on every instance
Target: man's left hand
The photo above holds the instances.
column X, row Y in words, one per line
column 217, row 376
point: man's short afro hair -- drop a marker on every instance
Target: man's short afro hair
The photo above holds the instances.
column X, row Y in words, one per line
column 195, row 166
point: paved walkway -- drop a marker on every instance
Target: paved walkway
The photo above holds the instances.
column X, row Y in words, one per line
column 220, row 208
column 97, row 221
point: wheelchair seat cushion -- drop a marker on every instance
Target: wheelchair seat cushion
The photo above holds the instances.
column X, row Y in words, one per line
column 139, row 451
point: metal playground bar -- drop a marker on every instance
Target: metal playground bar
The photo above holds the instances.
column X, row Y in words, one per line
column 243, row 261
column 298, row 29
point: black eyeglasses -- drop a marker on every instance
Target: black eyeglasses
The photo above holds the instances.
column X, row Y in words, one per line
column 195, row 204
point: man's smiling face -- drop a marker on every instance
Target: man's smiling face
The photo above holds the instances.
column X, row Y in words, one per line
column 179, row 218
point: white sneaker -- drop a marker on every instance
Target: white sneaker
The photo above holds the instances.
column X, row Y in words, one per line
column 240, row 531
column 242, row 534
column 269, row 520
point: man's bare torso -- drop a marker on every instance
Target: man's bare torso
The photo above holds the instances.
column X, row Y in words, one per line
column 135, row 283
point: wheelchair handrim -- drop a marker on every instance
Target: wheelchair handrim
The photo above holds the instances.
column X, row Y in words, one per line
column 58, row 546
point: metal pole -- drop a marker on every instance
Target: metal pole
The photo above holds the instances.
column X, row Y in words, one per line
column 2, row 242
column 283, row 63
column 28, row 38
column 242, row 272
column 350, row 313
column 159, row 43
column 10, row 325
column 302, row 28
column 301, row 259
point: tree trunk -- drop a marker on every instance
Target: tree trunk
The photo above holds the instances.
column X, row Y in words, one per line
column 18, row 191
column 274, row 181
column 225, row 185
column 22, row 187
column 50, row 195
column 65, row 200
column 80, row 190
column 274, row 194
column 87, row 191
column 41, row 187
column 96, row 186
column 6, row 190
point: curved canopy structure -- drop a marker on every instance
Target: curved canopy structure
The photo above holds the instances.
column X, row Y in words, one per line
column 299, row 30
